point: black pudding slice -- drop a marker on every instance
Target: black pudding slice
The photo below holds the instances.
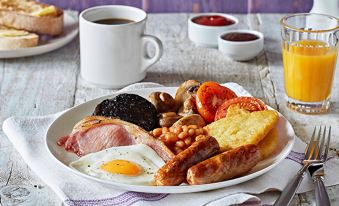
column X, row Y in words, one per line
column 131, row 108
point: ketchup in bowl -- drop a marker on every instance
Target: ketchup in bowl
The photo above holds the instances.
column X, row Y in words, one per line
column 213, row 20
column 239, row 36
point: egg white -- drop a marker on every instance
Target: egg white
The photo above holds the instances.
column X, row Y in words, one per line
column 140, row 154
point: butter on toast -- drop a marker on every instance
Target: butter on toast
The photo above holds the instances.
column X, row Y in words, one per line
column 241, row 127
column 32, row 16
column 16, row 39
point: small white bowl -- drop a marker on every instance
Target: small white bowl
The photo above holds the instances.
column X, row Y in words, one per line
column 207, row 36
column 241, row 50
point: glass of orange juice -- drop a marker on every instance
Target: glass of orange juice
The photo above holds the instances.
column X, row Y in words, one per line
column 309, row 49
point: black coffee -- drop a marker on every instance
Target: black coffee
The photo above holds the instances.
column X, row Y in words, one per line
column 113, row 21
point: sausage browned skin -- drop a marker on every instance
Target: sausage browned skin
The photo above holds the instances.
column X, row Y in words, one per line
column 227, row 165
column 174, row 171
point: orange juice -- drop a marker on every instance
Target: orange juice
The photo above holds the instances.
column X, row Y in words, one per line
column 308, row 70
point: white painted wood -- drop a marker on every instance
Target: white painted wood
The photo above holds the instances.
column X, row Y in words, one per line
column 49, row 83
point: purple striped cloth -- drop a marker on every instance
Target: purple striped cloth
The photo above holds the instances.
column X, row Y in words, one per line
column 125, row 199
column 229, row 6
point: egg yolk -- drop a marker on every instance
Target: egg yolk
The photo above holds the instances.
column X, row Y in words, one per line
column 123, row 167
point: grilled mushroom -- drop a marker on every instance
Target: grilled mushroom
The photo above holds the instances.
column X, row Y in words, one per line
column 189, row 106
column 192, row 119
column 163, row 102
column 185, row 91
column 168, row 119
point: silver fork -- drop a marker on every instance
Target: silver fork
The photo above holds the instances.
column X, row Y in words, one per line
column 316, row 170
column 311, row 152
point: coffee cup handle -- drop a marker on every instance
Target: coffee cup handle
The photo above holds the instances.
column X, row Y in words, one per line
column 148, row 61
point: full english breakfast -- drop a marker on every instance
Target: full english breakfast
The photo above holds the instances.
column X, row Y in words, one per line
column 203, row 134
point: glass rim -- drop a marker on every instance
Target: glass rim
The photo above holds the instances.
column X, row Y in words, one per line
column 284, row 24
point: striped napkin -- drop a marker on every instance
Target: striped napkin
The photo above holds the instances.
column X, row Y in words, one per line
column 28, row 135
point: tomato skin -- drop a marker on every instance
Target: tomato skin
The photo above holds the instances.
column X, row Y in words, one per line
column 251, row 104
column 210, row 96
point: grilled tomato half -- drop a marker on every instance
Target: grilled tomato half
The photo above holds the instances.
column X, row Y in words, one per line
column 251, row 104
column 210, row 96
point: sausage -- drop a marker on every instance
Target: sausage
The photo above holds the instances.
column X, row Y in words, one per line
column 227, row 165
column 174, row 171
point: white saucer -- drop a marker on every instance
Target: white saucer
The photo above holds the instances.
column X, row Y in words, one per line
column 47, row 44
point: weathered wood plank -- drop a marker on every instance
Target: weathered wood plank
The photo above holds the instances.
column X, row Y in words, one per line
column 263, row 67
column 34, row 86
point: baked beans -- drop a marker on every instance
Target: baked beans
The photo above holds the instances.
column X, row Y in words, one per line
column 178, row 138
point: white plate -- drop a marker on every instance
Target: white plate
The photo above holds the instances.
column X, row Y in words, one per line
column 47, row 44
column 64, row 123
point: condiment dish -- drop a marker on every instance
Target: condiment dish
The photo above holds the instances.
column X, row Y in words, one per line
column 241, row 49
column 207, row 35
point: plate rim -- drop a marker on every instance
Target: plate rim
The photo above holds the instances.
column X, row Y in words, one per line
column 170, row 189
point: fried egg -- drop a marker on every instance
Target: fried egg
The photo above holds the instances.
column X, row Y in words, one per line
column 134, row 164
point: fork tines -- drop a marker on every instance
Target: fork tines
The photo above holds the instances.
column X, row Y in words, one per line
column 314, row 151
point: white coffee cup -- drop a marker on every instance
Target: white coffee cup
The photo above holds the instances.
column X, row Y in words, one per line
column 113, row 56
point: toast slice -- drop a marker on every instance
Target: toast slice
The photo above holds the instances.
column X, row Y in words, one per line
column 16, row 39
column 241, row 127
column 32, row 16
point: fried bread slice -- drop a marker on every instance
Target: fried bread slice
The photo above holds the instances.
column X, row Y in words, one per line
column 235, row 110
column 241, row 127
column 268, row 145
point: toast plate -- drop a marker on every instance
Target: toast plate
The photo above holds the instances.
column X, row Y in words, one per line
column 64, row 123
column 47, row 44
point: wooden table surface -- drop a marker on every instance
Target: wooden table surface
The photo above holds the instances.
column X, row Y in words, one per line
column 50, row 83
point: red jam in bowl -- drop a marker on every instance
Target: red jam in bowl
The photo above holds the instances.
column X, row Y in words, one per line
column 238, row 36
column 214, row 20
